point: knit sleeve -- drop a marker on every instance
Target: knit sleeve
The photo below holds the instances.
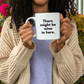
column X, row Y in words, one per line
column 69, row 61
column 13, row 60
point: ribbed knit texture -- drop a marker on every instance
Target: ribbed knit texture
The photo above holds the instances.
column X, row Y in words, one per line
column 68, row 63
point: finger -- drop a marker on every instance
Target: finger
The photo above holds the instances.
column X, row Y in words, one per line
column 25, row 30
column 66, row 20
column 63, row 31
column 61, row 17
column 30, row 43
column 27, row 34
column 58, row 41
column 63, row 28
column 29, row 24
column 65, row 24
column 54, row 43
column 62, row 39
column 27, row 39
column 66, row 34
column 26, row 25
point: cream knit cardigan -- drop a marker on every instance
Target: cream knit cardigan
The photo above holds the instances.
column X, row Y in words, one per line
column 68, row 63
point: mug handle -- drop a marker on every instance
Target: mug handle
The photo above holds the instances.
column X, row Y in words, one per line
column 28, row 20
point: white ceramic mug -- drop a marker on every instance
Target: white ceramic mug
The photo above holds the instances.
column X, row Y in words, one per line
column 47, row 25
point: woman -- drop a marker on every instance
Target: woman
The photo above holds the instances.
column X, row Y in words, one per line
column 18, row 51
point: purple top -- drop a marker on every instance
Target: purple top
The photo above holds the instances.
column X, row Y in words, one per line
column 41, row 62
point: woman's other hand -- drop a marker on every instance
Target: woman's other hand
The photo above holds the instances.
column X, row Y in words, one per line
column 65, row 32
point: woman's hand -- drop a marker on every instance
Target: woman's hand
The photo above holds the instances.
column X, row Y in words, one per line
column 65, row 32
column 26, row 34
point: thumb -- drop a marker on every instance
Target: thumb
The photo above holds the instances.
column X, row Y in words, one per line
column 61, row 17
column 30, row 43
column 57, row 41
